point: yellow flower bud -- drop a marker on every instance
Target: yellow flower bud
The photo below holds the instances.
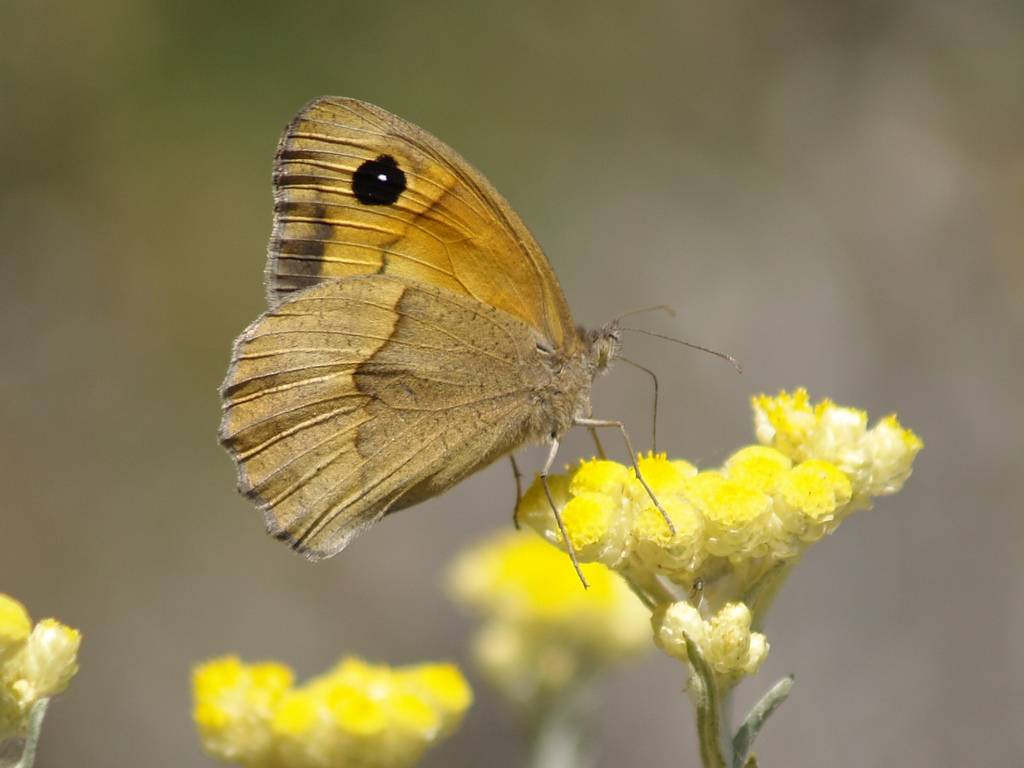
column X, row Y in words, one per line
column 35, row 662
column 890, row 450
column 675, row 622
column 730, row 649
column 48, row 661
column 726, row 642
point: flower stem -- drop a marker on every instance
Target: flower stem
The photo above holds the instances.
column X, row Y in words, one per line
column 725, row 724
column 28, row 750
column 706, row 699
column 559, row 734
column 762, row 593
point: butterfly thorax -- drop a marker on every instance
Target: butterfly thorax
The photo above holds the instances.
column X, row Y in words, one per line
column 602, row 345
column 563, row 395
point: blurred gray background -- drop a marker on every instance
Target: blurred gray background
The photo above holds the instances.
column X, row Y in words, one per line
column 833, row 192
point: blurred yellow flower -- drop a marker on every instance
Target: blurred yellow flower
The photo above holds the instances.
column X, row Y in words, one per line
column 357, row 714
column 541, row 631
column 15, row 626
column 35, row 662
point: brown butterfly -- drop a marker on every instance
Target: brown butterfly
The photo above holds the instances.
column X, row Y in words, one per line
column 416, row 332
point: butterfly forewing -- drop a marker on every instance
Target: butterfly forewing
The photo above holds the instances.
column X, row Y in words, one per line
column 361, row 396
column 359, row 191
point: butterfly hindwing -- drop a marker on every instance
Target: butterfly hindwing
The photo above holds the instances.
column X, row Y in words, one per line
column 364, row 395
column 359, row 191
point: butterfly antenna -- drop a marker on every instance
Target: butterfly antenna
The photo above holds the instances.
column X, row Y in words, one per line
column 666, row 308
column 732, row 360
column 654, row 416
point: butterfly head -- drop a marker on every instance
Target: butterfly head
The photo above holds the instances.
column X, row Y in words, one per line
column 603, row 345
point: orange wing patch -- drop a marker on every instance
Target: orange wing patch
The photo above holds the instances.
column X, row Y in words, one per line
column 359, row 191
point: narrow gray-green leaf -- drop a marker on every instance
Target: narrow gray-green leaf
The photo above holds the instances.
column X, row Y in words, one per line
column 744, row 739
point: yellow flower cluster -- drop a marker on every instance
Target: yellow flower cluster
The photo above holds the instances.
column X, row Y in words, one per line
column 357, row 714
column 877, row 460
column 35, row 662
column 541, row 632
column 725, row 641
column 766, row 502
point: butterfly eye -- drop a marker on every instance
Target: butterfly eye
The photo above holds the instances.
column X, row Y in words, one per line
column 378, row 182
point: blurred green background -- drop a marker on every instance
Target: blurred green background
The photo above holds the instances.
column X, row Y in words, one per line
column 833, row 192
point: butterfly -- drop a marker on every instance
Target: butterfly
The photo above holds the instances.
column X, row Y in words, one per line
column 416, row 332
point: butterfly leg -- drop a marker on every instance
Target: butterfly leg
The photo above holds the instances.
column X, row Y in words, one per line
column 594, row 424
column 597, row 444
column 558, row 515
column 697, row 593
column 519, row 490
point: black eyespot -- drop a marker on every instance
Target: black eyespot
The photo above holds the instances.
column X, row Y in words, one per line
column 378, row 182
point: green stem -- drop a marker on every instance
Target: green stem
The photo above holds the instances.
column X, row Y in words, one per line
column 648, row 588
column 725, row 723
column 559, row 733
column 762, row 593
column 706, row 699
column 28, row 750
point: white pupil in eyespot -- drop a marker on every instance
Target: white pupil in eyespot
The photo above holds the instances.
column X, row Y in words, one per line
column 382, row 177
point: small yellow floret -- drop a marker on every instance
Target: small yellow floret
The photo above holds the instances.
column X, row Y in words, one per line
column 816, row 488
column 413, row 712
column 534, row 509
column 734, row 515
column 587, row 519
column 356, row 711
column 891, row 450
column 234, row 705
column 599, row 476
column 445, row 684
column 296, row 715
column 657, row 549
column 663, row 476
column 757, row 466
column 783, row 421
